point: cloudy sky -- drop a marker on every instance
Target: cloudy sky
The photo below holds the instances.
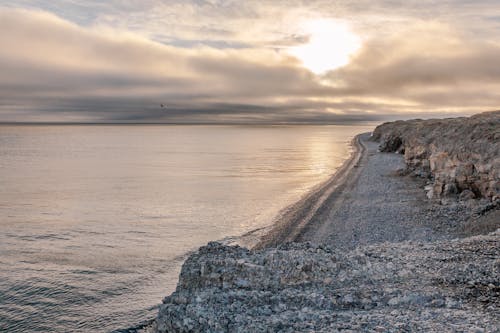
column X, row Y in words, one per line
column 247, row 61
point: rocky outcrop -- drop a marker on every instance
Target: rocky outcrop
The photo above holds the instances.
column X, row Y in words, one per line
column 430, row 287
column 460, row 155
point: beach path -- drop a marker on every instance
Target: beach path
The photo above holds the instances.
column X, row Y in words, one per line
column 375, row 205
column 366, row 202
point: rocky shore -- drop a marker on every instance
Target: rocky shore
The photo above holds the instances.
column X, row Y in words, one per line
column 410, row 286
column 375, row 254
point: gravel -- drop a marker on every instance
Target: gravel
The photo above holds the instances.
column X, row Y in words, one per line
column 379, row 206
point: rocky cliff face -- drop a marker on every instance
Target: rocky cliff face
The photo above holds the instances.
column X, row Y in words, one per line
column 460, row 155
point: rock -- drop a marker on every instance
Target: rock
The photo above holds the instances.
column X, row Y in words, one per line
column 458, row 153
column 450, row 189
column 430, row 191
column 392, row 143
column 297, row 288
column 438, row 303
column 466, row 195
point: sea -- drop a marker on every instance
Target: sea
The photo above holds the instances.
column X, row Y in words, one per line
column 96, row 220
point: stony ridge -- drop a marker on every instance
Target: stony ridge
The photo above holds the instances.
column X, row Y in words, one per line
column 460, row 155
column 391, row 287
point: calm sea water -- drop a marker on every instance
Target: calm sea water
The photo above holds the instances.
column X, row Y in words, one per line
column 96, row 220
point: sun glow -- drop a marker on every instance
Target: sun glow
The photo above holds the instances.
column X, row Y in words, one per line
column 331, row 44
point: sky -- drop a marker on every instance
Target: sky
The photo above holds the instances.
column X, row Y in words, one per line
column 275, row 61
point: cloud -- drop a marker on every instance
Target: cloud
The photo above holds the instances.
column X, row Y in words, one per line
column 105, row 70
column 47, row 60
column 429, row 64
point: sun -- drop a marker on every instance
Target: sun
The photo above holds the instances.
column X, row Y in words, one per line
column 331, row 44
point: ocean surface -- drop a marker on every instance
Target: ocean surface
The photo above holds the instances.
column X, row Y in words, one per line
column 96, row 220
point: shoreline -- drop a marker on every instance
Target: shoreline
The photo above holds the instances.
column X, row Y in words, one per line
column 291, row 222
column 367, row 250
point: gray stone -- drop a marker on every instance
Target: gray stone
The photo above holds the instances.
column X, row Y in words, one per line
column 466, row 195
column 437, row 296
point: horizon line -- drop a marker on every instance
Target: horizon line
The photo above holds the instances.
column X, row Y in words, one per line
column 57, row 123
